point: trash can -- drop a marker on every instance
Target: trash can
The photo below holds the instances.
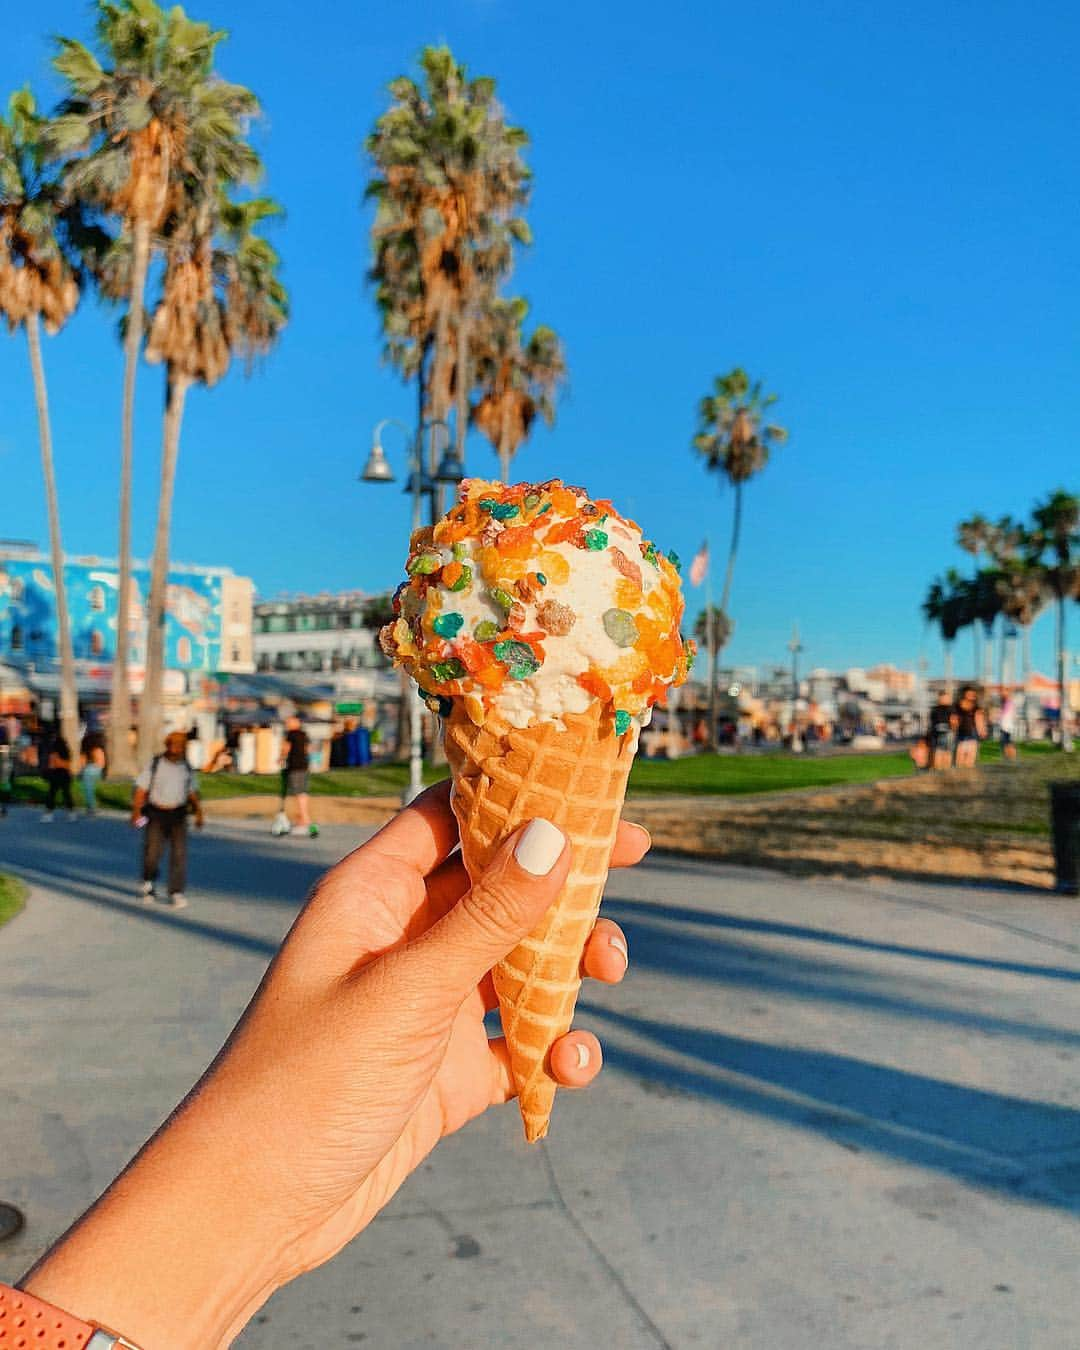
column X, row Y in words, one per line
column 1065, row 818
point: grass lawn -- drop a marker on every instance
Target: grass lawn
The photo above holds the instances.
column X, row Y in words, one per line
column 12, row 896
column 696, row 775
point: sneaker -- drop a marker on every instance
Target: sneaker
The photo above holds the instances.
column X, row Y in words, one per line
column 46, row 816
column 313, row 831
column 146, row 893
column 177, row 900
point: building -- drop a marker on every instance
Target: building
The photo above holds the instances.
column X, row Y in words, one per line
column 207, row 613
column 316, row 634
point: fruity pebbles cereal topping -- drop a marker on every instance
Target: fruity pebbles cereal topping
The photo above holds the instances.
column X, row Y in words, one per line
column 533, row 600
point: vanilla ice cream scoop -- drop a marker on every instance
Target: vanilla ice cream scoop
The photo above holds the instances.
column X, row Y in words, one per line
column 535, row 600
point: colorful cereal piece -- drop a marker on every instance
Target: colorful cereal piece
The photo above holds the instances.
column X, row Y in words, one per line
column 518, row 657
column 620, row 627
column 449, row 625
column 555, row 618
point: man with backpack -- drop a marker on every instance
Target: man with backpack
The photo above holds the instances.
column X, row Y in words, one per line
column 164, row 792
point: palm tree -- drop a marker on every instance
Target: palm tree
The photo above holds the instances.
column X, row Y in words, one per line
column 1056, row 539
column 449, row 182
column 517, row 378
column 939, row 608
column 736, row 442
column 122, row 132
column 38, row 286
column 216, row 302
column 1022, row 596
column 976, row 536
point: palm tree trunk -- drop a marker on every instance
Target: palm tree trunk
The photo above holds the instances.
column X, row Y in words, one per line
column 988, row 659
column 69, row 695
column 949, row 682
column 150, row 706
column 461, row 421
column 1065, row 729
column 120, row 758
column 736, row 530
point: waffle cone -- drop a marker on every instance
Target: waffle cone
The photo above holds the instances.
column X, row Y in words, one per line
column 575, row 778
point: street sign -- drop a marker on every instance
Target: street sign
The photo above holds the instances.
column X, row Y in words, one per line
column 349, row 708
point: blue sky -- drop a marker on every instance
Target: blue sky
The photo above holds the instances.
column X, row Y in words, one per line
column 871, row 207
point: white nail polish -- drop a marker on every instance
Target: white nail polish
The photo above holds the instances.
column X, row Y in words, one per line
column 620, row 947
column 540, row 847
column 582, row 1055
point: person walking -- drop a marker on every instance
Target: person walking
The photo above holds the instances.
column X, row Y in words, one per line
column 970, row 727
column 93, row 769
column 164, row 791
column 58, row 776
column 294, row 773
column 1007, row 723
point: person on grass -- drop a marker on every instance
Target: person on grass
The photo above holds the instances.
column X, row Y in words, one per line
column 939, row 732
column 363, row 1047
column 970, row 727
column 295, row 759
column 164, row 792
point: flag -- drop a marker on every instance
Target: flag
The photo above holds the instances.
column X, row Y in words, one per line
column 700, row 565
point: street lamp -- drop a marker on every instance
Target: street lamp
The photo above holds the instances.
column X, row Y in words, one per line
column 418, row 484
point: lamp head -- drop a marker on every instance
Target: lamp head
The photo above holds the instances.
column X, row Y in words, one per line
column 450, row 470
column 377, row 470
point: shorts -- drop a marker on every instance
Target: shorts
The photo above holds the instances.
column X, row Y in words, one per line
column 294, row 782
column 942, row 739
column 1006, row 736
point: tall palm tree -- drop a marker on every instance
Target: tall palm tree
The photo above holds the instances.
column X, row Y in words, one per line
column 943, row 607
column 38, row 287
column 121, row 132
column 1056, row 537
column 1022, row 596
column 216, row 302
column 517, row 378
column 976, row 536
column 449, row 183
column 736, row 441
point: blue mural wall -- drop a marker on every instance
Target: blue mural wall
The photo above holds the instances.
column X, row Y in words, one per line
column 28, row 613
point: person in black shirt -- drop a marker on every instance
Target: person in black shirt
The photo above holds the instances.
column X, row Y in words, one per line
column 294, row 772
column 970, row 728
column 58, row 776
column 940, row 731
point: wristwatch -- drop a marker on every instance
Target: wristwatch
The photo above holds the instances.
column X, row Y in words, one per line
column 26, row 1321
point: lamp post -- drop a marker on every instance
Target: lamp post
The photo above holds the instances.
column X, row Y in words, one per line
column 450, row 471
column 795, row 647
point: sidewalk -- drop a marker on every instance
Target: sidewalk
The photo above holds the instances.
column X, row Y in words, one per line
column 830, row 1112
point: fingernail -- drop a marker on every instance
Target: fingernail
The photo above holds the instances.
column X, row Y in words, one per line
column 620, row 947
column 582, row 1054
column 644, row 831
column 540, row 847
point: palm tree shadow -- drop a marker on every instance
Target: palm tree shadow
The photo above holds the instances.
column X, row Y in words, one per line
column 987, row 1139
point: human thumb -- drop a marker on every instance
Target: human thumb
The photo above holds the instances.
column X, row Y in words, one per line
column 522, row 882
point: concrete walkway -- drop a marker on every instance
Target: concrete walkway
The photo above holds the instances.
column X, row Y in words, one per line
column 832, row 1113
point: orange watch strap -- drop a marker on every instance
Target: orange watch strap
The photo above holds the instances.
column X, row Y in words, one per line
column 27, row 1323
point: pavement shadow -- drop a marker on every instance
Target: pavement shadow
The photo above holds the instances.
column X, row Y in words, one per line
column 91, row 850
column 680, row 955
column 983, row 1138
column 629, row 912
column 89, row 891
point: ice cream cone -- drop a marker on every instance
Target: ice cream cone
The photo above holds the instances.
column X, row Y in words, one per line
column 574, row 776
